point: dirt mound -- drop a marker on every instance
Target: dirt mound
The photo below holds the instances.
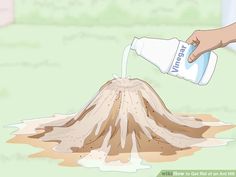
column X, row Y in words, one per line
column 126, row 117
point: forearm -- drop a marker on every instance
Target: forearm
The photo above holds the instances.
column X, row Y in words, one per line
column 228, row 34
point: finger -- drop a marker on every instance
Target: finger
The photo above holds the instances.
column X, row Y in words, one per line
column 193, row 39
column 196, row 54
column 190, row 40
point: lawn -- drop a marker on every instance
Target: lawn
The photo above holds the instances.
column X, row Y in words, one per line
column 54, row 69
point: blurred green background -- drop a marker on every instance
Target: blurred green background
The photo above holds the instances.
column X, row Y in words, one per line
column 118, row 12
column 57, row 55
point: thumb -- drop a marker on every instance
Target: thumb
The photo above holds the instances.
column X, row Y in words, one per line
column 196, row 53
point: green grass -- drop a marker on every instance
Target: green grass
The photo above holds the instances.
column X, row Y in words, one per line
column 49, row 69
column 122, row 12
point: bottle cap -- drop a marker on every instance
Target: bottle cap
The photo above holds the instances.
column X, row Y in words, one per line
column 137, row 45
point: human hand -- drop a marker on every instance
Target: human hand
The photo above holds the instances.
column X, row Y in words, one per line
column 205, row 40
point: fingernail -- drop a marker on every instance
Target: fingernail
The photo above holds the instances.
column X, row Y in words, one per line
column 190, row 60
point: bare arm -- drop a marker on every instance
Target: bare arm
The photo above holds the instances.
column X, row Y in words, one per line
column 207, row 40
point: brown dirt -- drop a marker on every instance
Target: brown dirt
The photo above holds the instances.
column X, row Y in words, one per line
column 170, row 153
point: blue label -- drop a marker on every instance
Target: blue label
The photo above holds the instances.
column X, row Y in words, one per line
column 202, row 62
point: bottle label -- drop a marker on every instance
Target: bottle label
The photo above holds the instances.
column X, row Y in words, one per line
column 189, row 71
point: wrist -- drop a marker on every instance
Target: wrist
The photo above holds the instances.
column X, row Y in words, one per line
column 228, row 34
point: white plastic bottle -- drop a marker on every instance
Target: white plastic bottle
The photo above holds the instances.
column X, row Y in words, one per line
column 171, row 56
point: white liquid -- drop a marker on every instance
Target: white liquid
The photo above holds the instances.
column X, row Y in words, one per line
column 125, row 61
